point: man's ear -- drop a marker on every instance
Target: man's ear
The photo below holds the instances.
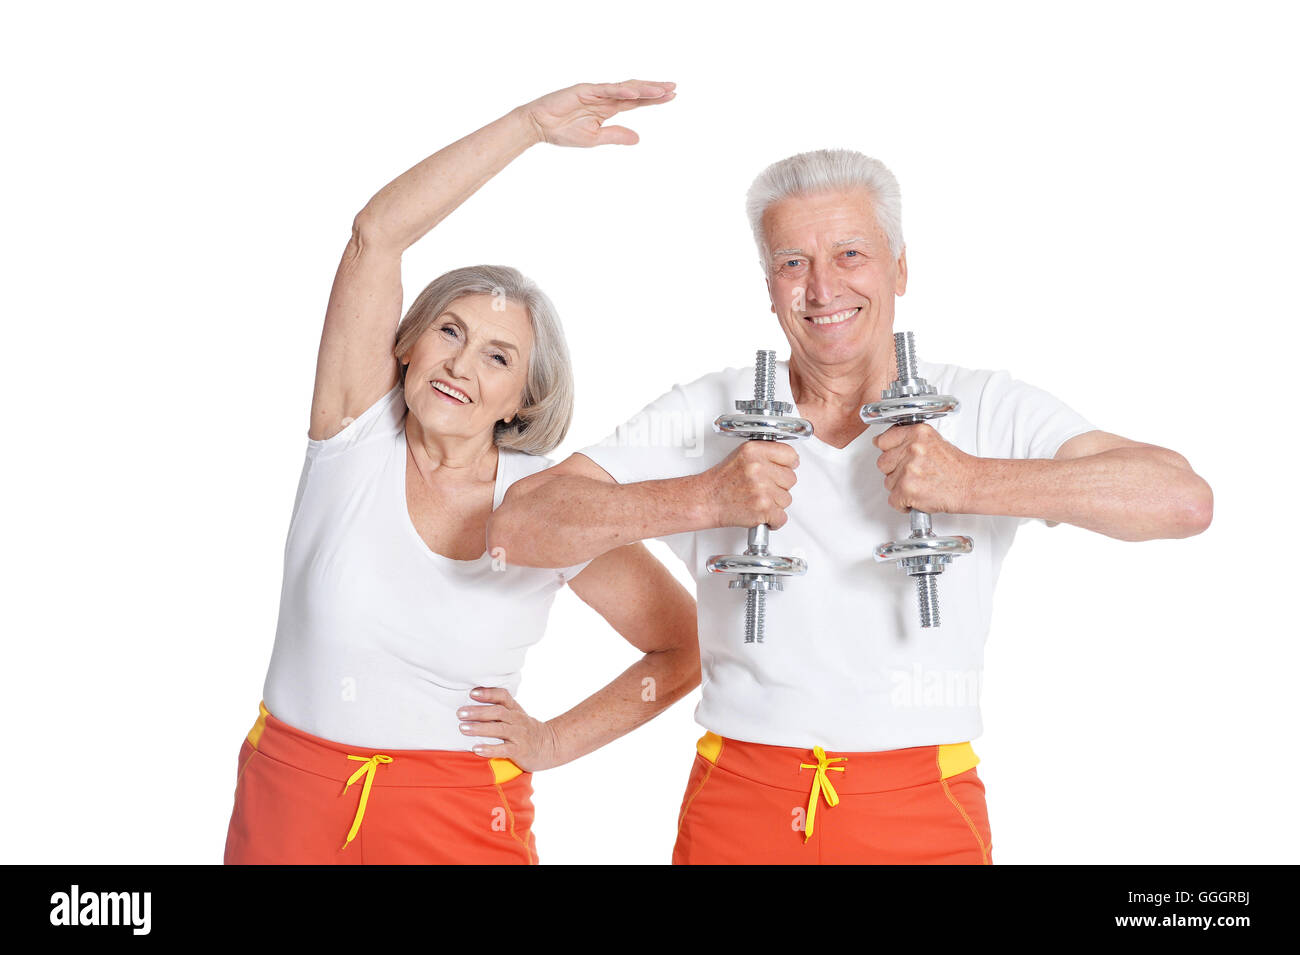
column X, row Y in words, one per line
column 901, row 285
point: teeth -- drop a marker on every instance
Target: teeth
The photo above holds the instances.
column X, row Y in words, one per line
column 833, row 319
column 448, row 390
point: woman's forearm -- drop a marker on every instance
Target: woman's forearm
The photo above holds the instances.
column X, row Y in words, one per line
column 417, row 200
column 638, row 694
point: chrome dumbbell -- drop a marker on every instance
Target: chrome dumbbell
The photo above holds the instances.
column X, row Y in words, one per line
column 763, row 419
column 923, row 555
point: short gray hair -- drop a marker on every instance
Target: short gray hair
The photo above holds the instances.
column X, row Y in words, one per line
column 827, row 170
column 547, row 411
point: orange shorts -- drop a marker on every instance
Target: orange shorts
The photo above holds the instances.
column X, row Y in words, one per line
column 747, row 803
column 303, row 800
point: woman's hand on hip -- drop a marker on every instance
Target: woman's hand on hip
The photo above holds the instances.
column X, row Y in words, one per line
column 573, row 116
column 530, row 744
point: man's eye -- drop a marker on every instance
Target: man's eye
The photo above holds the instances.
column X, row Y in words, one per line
column 791, row 263
column 851, row 252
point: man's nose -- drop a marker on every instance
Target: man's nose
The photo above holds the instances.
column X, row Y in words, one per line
column 821, row 283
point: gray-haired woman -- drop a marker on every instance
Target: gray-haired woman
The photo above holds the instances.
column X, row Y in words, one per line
column 400, row 640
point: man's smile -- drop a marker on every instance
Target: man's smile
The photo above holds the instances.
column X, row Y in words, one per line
column 833, row 318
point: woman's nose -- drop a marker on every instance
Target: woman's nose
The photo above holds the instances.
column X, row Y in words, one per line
column 458, row 365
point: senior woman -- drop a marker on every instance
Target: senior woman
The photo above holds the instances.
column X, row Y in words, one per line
column 388, row 732
column 829, row 742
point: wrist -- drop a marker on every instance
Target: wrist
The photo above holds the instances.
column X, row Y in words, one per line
column 529, row 131
column 554, row 755
column 699, row 513
column 977, row 487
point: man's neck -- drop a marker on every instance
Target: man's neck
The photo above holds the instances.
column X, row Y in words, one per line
column 831, row 397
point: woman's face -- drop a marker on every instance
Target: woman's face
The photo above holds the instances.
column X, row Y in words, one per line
column 468, row 370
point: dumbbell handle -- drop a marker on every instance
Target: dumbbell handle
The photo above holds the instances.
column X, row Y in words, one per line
column 909, row 400
column 763, row 419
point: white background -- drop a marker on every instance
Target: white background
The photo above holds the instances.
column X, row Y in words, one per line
column 1100, row 198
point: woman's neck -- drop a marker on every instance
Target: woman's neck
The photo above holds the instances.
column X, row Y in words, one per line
column 451, row 459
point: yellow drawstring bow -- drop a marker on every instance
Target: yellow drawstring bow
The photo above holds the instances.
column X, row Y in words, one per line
column 368, row 770
column 821, row 785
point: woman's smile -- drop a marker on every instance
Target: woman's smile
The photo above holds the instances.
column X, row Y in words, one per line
column 449, row 392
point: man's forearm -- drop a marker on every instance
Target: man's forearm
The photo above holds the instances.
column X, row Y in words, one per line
column 567, row 519
column 1131, row 494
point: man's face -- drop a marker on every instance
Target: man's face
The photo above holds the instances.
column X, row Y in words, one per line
column 830, row 275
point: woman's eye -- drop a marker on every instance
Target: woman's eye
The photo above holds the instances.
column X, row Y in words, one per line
column 501, row 359
column 450, row 328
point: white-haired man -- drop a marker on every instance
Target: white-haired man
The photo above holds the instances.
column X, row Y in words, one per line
column 835, row 709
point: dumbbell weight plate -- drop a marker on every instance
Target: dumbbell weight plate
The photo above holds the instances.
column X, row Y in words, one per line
column 779, row 427
column 909, row 409
column 756, row 564
column 923, row 546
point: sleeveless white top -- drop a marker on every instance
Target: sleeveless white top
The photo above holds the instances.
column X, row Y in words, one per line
column 380, row 639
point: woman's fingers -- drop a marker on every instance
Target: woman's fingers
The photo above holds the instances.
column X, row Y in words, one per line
column 494, row 717
column 633, row 89
column 492, row 750
column 623, row 105
column 616, row 91
column 574, row 116
column 505, row 731
column 493, row 694
column 616, row 136
column 483, row 714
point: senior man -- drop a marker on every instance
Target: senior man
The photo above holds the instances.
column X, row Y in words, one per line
column 835, row 710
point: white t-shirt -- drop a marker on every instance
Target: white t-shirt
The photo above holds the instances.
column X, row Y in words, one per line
column 380, row 639
column 845, row 663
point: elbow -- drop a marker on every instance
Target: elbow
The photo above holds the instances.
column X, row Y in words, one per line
column 364, row 228
column 508, row 539
column 368, row 234
column 693, row 674
column 684, row 676
column 688, row 646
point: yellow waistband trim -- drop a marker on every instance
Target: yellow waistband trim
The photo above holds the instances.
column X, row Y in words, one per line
column 255, row 734
column 710, row 746
column 504, row 770
column 956, row 758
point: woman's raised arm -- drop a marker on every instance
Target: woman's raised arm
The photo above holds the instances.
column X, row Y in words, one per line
column 356, row 365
